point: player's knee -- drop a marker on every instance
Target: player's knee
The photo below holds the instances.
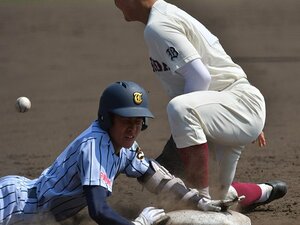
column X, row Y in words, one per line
column 177, row 109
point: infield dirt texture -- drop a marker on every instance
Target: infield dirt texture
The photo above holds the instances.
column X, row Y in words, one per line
column 61, row 54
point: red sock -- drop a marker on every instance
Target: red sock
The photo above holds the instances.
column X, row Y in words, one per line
column 195, row 161
column 251, row 191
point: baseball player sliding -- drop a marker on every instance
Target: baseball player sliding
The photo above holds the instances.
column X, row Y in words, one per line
column 211, row 99
column 84, row 173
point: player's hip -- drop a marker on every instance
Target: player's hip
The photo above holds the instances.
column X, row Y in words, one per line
column 240, row 99
column 249, row 95
column 18, row 203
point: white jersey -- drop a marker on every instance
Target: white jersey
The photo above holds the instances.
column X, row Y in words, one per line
column 89, row 160
column 174, row 38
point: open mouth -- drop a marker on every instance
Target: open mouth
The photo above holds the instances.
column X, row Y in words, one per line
column 130, row 137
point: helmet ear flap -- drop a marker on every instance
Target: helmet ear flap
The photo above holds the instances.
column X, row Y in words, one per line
column 105, row 121
column 145, row 123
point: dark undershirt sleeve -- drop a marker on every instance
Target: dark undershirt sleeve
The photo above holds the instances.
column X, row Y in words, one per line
column 98, row 208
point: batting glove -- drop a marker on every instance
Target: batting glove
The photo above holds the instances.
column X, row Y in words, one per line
column 226, row 204
column 149, row 216
column 206, row 204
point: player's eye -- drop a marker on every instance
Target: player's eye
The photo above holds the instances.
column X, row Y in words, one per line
column 134, row 121
column 128, row 121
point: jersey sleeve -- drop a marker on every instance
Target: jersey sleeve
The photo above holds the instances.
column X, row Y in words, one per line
column 95, row 164
column 88, row 163
column 168, row 42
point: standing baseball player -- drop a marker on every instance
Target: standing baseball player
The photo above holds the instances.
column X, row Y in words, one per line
column 211, row 99
column 84, row 173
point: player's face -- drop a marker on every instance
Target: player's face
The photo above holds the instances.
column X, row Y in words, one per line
column 128, row 8
column 124, row 131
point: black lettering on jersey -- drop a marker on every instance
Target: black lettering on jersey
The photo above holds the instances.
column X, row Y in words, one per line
column 166, row 68
column 172, row 53
column 157, row 66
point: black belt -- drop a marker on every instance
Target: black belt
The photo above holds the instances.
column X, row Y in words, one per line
column 32, row 193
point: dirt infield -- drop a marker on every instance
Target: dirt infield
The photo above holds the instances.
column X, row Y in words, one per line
column 62, row 54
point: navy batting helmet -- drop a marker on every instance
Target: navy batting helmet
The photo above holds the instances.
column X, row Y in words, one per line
column 123, row 98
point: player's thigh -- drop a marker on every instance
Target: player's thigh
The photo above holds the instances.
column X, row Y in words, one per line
column 15, row 206
column 223, row 117
column 10, row 204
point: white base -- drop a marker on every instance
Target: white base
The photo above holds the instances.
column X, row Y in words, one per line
column 195, row 217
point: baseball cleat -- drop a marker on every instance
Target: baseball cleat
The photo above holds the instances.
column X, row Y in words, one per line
column 279, row 190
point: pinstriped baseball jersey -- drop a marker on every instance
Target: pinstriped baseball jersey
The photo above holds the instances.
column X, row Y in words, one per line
column 89, row 160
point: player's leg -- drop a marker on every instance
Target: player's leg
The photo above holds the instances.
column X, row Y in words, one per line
column 16, row 204
column 195, row 160
column 170, row 159
column 257, row 194
column 173, row 160
column 227, row 160
column 189, row 133
column 218, row 116
column 10, row 199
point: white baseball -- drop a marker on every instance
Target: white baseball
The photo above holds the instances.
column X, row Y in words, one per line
column 23, row 104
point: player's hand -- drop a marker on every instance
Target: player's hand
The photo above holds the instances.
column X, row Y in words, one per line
column 206, row 204
column 149, row 216
column 218, row 205
column 261, row 140
column 226, row 204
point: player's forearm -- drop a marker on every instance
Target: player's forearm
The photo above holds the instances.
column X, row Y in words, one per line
column 99, row 210
column 159, row 181
column 187, row 197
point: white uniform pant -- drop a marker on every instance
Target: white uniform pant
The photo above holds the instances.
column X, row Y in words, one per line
column 229, row 119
